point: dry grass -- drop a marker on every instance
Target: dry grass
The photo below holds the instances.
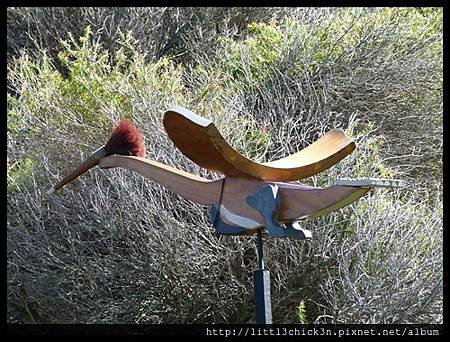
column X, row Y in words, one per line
column 114, row 247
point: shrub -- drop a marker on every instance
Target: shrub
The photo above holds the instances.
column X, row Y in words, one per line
column 115, row 248
column 159, row 30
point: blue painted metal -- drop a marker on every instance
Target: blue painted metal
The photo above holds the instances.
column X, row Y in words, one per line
column 263, row 304
column 267, row 201
column 261, row 283
column 223, row 228
column 295, row 232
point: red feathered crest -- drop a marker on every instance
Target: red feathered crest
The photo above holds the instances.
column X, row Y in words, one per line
column 126, row 139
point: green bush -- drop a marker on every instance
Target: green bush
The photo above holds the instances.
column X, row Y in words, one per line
column 301, row 313
column 114, row 247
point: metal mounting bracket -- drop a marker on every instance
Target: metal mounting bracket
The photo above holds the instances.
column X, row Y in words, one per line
column 267, row 202
column 223, row 228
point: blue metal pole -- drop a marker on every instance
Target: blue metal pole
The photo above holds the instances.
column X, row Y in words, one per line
column 261, row 282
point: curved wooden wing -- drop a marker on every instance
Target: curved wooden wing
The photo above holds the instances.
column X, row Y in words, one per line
column 199, row 139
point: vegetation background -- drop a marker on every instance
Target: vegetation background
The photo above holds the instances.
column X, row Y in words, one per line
column 114, row 247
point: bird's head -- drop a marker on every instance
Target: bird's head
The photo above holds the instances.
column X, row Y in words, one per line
column 126, row 139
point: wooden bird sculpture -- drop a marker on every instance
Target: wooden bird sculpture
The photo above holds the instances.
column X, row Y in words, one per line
column 250, row 195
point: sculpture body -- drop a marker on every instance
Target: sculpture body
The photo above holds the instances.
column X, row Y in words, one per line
column 251, row 195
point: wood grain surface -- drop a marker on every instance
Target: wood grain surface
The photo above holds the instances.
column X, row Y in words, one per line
column 298, row 201
column 187, row 185
column 199, row 139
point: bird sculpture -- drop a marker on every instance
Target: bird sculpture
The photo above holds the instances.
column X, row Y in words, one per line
column 250, row 196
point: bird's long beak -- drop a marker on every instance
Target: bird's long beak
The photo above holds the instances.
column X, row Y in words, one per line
column 82, row 168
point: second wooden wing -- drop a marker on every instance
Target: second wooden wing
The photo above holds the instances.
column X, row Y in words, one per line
column 198, row 138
